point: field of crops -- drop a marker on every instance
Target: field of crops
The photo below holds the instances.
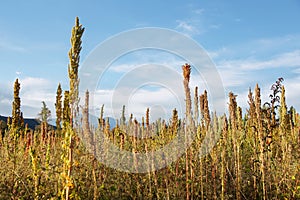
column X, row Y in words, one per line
column 251, row 155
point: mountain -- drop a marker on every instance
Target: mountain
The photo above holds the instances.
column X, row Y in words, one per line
column 94, row 121
column 32, row 123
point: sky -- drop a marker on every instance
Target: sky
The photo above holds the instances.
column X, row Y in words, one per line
column 248, row 42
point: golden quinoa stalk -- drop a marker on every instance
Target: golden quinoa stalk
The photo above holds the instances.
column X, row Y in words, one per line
column 234, row 129
column 261, row 139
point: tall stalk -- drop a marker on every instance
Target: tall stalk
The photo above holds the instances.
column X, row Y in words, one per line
column 223, row 146
column 233, row 122
column 74, row 56
column 186, row 75
column 261, row 139
column 58, row 108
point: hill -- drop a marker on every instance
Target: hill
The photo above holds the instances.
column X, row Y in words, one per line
column 32, row 123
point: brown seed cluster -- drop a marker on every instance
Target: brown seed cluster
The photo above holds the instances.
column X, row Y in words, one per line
column 186, row 71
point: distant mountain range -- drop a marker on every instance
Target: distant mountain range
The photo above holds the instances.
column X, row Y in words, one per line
column 94, row 121
column 32, row 123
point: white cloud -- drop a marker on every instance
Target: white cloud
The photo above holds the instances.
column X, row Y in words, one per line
column 185, row 26
column 289, row 40
column 288, row 59
column 260, row 61
column 292, row 97
column 161, row 100
column 136, row 102
column 135, row 91
column 236, row 72
column 33, row 92
column 30, row 82
column 240, row 74
column 97, row 99
column 6, row 99
column 143, row 68
column 258, row 50
column 232, row 77
column 188, row 27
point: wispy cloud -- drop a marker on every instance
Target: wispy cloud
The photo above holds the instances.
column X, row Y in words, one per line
column 290, row 40
column 188, row 27
column 288, row 59
column 197, row 21
column 257, row 61
column 199, row 11
column 259, row 48
column 238, row 75
column 192, row 24
column 123, row 67
column 260, row 61
column 219, row 53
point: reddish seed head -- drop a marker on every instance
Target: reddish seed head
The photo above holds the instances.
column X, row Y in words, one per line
column 186, row 71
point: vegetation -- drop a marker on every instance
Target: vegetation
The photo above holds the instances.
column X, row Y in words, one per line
column 17, row 116
column 256, row 157
column 58, row 107
column 45, row 113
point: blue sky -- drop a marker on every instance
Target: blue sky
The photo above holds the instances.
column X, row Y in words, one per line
column 249, row 41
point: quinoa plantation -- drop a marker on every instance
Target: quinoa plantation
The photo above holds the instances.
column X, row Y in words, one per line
column 254, row 154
